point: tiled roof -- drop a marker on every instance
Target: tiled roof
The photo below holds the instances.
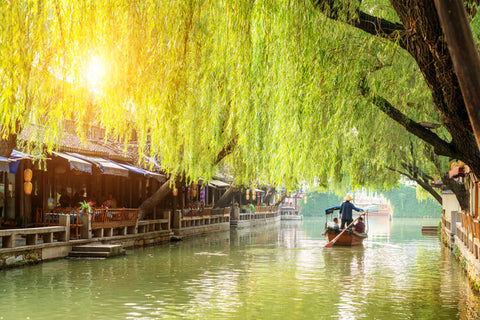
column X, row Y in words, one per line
column 72, row 143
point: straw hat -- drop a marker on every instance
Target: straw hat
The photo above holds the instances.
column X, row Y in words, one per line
column 348, row 198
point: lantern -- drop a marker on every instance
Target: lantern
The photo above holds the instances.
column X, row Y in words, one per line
column 247, row 194
column 27, row 187
column 27, row 175
column 175, row 191
column 194, row 189
column 254, row 195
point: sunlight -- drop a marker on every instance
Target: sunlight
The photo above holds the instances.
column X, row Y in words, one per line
column 95, row 74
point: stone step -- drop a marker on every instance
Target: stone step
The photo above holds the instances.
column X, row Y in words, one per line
column 97, row 251
column 89, row 254
column 98, row 247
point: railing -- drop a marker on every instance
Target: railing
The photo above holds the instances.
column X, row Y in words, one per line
column 262, row 209
column 114, row 217
column 107, row 222
column 469, row 233
column 52, row 218
column 194, row 217
column 8, row 236
column 261, row 212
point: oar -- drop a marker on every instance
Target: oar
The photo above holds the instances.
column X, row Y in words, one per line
column 331, row 243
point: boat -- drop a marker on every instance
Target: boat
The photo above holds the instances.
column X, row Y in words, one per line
column 376, row 206
column 290, row 213
column 347, row 238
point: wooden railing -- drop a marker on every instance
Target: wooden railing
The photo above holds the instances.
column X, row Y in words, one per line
column 262, row 209
column 114, row 217
column 52, row 218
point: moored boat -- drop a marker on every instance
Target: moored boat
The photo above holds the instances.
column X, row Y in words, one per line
column 290, row 213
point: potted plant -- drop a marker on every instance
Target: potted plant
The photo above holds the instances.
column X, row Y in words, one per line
column 86, row 206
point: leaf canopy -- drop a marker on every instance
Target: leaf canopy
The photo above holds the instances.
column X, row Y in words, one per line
column 189, row 77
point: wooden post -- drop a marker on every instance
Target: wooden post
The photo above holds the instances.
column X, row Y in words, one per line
column 19, row 190
column 463, row 51
column 177, row 219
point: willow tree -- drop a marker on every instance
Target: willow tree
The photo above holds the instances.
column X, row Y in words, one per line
column 276, row 79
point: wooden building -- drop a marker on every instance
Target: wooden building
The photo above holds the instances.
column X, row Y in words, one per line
column 92, row 171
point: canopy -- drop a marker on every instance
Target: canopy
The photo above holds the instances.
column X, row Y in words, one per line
column 75, row 163
column 11, row 164
column 218, row 184
column 137, row 170
column 106, row 166
column 331, row 209
column 15, row 158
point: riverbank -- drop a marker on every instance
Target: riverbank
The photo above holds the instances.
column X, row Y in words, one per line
column 20, row 247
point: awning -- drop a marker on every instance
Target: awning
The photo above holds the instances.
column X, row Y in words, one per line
column 75, row 163
column 218, row 184
column 106, row 166
column 15, row 158
column 137, row 170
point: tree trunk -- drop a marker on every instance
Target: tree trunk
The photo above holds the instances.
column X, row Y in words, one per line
column 464, row 52
column 268, row 197
column 459, row 190
column 7, row 145
column 149, row 204
column 226, row 199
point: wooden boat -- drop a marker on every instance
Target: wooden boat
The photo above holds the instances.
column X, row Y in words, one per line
column 348, row 238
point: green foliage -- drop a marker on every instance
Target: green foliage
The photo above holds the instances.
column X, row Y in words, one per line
column 456, row 252
column 318, row 202
column 189, row 77
column 406, row 204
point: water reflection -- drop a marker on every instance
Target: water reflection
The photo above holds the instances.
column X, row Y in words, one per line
column 279, row 272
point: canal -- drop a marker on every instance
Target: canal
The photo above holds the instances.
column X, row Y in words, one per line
column 278, row 272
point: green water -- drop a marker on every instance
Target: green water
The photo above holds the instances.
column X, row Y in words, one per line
column 279, row 272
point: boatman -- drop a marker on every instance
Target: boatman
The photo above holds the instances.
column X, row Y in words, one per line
column 346, row 211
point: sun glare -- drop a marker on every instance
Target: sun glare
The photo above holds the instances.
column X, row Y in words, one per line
column 95, row 73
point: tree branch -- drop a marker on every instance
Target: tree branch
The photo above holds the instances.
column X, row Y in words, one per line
column 424, row 184
column 440, row 146
column 371, row 24
column 226, row 150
